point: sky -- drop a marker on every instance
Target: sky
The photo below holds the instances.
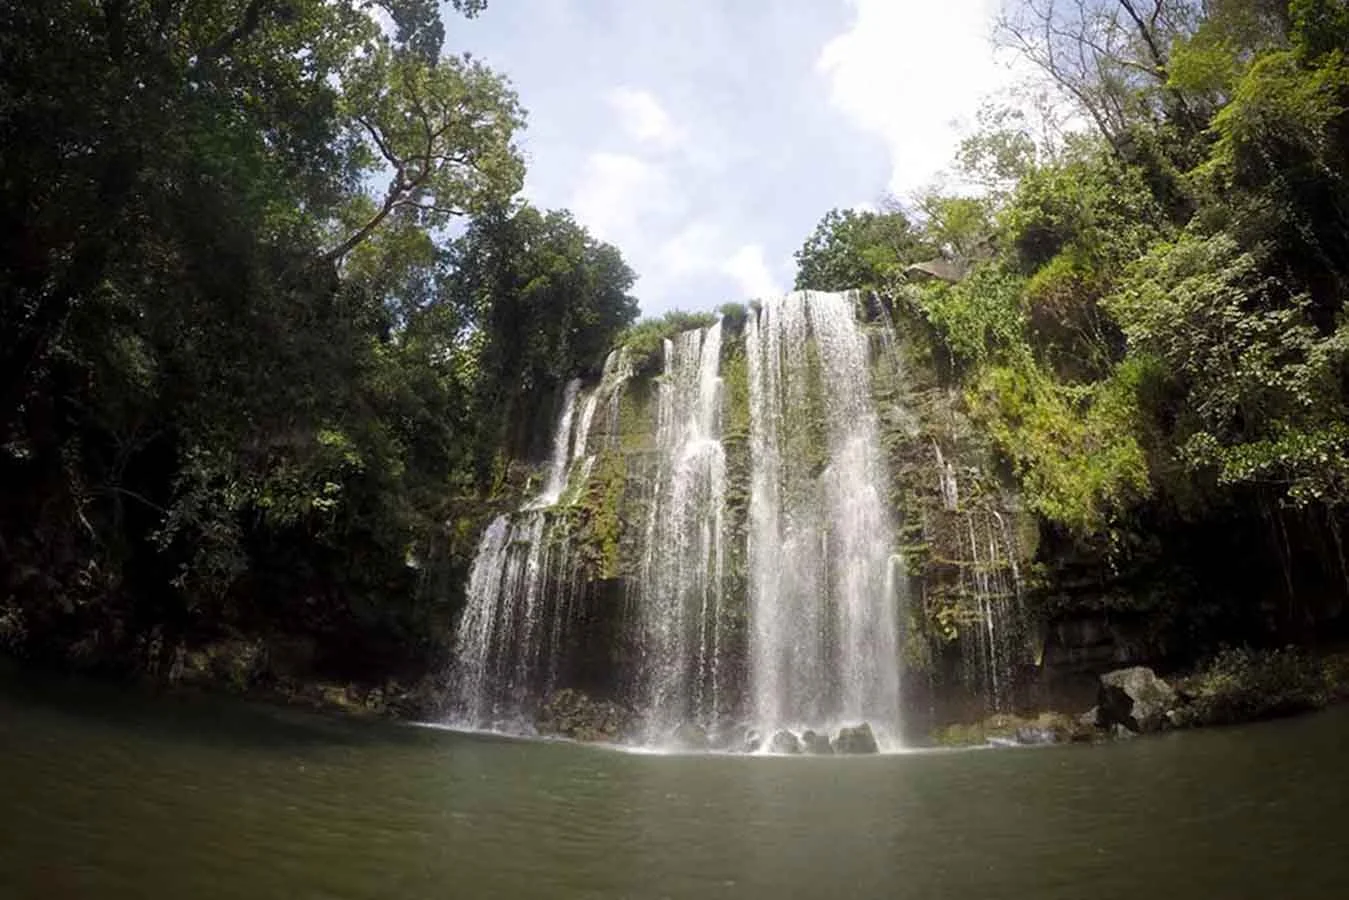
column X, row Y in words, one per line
column 706, row 138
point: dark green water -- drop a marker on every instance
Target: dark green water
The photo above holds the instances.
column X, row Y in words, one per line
column 109, row 796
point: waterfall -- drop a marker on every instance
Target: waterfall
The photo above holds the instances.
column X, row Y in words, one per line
column 824, row 617
column 617, row 371
column 511, row 637
column 481, row 621
column 562, row 443
column 680, row 590
column 775, row 600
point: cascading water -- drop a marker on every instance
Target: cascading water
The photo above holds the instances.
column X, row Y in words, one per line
column 681, row 586
column 617, row 371
column 562, row 443
column 524, row 583
column 512, row 631
column 823, row 604
column 997, row 644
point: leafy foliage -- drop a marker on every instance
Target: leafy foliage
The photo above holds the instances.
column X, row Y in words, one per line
column 248, row 381
column 851, row 249
column 1076, row 448
column 1151, row 318
column 1243, row 685
column 645, row 341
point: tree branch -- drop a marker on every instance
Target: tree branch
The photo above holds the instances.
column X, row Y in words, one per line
column 430, row 207
column 1149, row 38
column 398, row 194
column 383, row 146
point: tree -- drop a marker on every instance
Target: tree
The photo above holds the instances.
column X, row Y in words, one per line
column 230, row 393
column 444, row 131
column 1111, row 56
column 544, row 301
column 852, row 249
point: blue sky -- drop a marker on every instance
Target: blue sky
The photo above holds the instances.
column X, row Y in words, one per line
column 705, row 139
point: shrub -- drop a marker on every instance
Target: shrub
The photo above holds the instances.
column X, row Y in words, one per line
column 645, row 340
column 1243, row 685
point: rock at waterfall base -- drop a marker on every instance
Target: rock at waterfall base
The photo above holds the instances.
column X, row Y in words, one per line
column 575, row 715
column 784, row 742
column 1136, row 699
column 816, row 744
column 857, row 739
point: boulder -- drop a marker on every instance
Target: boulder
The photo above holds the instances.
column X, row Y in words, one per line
column 784, row 742
column 1134, row 698
column 817, row 744
column 753, row 741
column 690, row 736
column 857, row 739
column 940, row 269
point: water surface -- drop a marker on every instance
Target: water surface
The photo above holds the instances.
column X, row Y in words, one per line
column 109, row 795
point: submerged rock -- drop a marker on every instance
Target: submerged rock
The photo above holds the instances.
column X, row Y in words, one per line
column 817, row 744
column 784, row 742
column 857, row 739
column 1134, row 698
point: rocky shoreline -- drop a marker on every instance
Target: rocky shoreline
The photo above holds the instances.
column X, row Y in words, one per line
column 1235, row 686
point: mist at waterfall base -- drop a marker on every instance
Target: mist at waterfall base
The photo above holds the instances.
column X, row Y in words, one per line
column 807, row 634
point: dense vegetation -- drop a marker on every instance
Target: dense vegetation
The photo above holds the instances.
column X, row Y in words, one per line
column 271, row 320
column 1150, row 315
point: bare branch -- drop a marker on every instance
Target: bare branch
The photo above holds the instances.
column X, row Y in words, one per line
column 1149, row 36
column 384, row 148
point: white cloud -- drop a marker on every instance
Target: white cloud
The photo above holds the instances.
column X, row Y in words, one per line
column 749, row 270
column 913, row 73
column 643, row 117
column 614, row 191
column 694, row 248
